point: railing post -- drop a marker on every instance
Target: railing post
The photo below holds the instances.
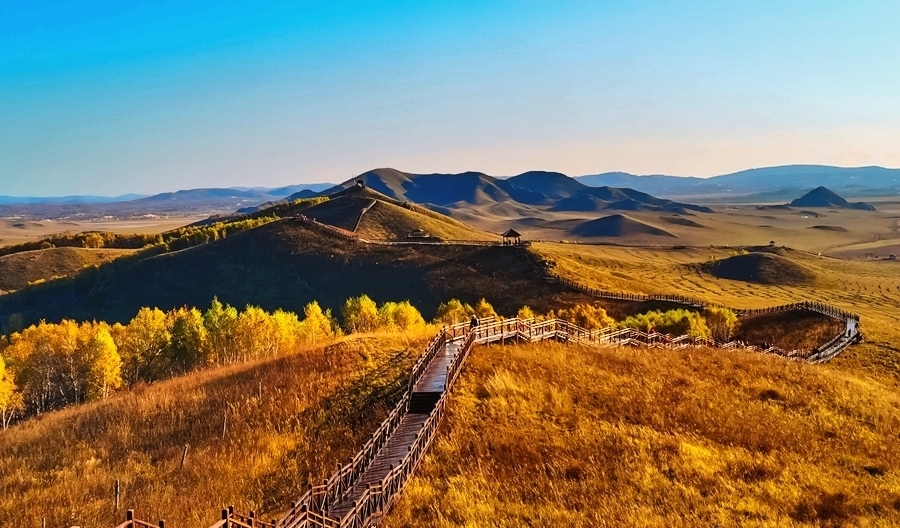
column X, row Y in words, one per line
column 225, row 518
column 129, row 516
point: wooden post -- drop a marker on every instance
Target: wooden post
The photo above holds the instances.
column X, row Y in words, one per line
column 260, row 391
column 129, row 516
column 43, row 522
column 162, row 523
column 116, row 493
column 225, row 518
column 224, row 423
column 252, row 518
column 183, row 456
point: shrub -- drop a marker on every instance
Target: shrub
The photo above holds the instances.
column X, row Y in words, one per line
column 484, row 309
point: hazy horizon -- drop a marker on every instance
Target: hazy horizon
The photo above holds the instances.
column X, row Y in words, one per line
column 109, row 99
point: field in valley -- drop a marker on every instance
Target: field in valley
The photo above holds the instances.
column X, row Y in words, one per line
column 18, row 231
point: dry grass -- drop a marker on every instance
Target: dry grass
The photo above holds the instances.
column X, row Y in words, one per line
column 871, row 289
column 18, row 269
column 316, row 409
column 549, row 435
column 386, row 221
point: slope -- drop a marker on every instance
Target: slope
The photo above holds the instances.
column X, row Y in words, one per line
column 286, row 264
column 822, row 197
column 619, row 226
column 19, row 269
column 561, row 435
column 289, row 421
column 387, row 221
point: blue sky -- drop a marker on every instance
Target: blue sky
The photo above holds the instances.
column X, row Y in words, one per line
column 116, row 97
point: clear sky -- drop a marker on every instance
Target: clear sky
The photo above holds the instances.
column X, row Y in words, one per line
column 147, row 96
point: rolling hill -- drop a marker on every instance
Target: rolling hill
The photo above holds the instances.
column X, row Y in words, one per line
column 619, row 226
column 822, row 197
column 471, row 190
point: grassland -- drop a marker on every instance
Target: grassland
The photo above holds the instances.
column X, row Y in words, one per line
column 17, row 231
column 869, row 288
column 289, row 421
column 19, row 269
column 550, row 435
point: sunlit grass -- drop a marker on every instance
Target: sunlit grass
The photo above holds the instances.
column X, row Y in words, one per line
column 550, row 435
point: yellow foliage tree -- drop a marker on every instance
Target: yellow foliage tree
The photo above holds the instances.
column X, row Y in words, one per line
column 316, row 326
column 145, row 345
column 104, row 372
column 525, row 312
column 10, row 399
column 220, row 322
column 484, row 309
column 187, row 342
column 722, row 323
column 360, row 314
column 401, row 316
column 452, row 312
column 587, row 316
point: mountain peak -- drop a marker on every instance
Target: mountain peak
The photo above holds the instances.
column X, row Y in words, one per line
column 821, row 196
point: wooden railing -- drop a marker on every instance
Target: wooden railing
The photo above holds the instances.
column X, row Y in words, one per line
column 132, row 522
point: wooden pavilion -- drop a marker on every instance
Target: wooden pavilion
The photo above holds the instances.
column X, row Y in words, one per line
column 511, row 237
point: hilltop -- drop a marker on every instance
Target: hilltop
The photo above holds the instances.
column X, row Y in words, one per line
column 822, row 197
column 619, row 226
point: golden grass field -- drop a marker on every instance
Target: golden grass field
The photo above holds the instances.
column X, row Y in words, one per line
column 314, row 410
column 869, row 288
column 554, row 435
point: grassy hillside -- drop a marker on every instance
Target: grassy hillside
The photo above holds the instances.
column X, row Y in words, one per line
column 387, row 221
column 315, row 409
column 286, row 264
column 18, row 269
column 555, row 435
column 871, row 289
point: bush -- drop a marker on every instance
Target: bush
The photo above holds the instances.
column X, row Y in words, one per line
column 401, row 316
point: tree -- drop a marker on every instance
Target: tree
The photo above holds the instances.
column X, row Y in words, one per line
column 452, row 312
column 145, row 346
column 722, row 322
column 317, row 326
column 401, row 316
column 255, row 334
column 10, row 399
column 187, row 343
column 484, row 309
column 104, row 364
column 360, row 314
column 525, row 312
column 220, row 322
column 587, row 316
column 674, row 322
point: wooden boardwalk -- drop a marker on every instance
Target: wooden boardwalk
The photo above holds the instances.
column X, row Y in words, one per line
column 429, row 389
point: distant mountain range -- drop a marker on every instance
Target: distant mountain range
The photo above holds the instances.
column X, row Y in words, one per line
column 550, row 189
column 764, row 184
column 614, row 191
